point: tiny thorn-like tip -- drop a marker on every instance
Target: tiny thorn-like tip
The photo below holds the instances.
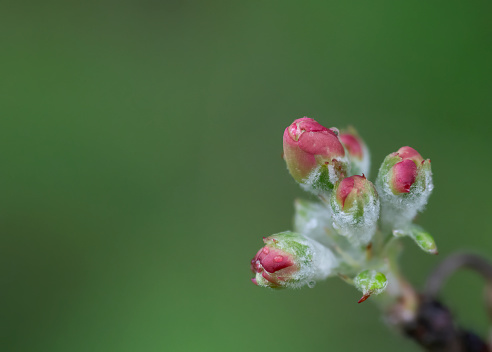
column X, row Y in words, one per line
column 366, row 296
column 254, row 281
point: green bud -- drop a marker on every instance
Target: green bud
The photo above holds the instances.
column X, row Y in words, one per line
column 370, row 282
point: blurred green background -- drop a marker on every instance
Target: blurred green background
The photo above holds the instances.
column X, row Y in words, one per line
column 141, row 163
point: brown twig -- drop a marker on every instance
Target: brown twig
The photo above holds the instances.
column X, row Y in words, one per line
column 453, row 263
column 433, row 326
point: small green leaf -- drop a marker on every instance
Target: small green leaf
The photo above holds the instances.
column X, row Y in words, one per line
column 370, row 282
column 322, row 181
column 422, row 238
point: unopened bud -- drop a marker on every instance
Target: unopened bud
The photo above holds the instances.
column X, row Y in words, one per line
column 358, row 153
column 314, row 155
column 404, row 184
column 355, row 205
column 370, row 282
column 291, row 260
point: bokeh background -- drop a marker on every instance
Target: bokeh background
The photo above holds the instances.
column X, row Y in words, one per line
column 141, row 163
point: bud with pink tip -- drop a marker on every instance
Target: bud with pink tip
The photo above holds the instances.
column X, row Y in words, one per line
column 291, row 260
column 358, row 153
column 404, row 184
column 355, row 205
column 314, row 155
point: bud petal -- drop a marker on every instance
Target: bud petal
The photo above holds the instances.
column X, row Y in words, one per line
column 411, row 154
column 291, row 260
column 370, row 282
column 404, row 184
column 314, row 155
column 358, row 153
column 421, row 237
column 355, row 205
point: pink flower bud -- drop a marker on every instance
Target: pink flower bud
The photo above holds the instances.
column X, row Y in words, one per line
column 404, row 184
column 358, row 153
column 353, row 145
column 310, row 149
column 273, row 265
column 351, row 187
column 404, row 172
column 291, row 260
column 355, row 206
column 404, row 175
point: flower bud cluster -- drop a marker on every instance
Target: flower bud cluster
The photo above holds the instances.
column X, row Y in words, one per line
column 346, row 233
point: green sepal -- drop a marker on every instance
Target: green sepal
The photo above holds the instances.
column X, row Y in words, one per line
column 322, row 180
column 292, row 243
column 385, row 170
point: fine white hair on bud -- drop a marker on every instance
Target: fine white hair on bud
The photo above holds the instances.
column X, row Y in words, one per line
column 355, row 206
column 314, row 220
column 290, row 260
column 322, row 178
column 404, row 184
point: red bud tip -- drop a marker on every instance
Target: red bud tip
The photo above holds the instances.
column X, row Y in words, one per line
column 410, row 153
column 305, row 124
column 366, row 296
column 254, row 281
